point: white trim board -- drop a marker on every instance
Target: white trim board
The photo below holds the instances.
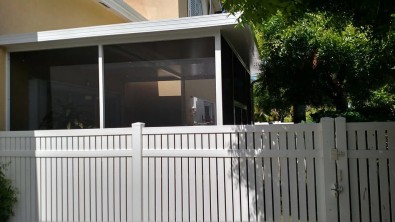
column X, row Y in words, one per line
column 188, row 23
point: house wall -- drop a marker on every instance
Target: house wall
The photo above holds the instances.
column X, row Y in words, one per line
column 164, row 9
column 2, row 89
column 21, row 16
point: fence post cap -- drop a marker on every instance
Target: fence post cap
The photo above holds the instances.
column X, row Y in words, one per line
column 138, row 124
column 340, row 118
column 326, row 119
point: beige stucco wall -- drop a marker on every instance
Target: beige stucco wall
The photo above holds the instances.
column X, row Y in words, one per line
column 163, row 9
column 21, row 16
column 2, row 89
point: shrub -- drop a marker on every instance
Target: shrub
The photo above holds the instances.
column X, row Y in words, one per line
column 7, row 196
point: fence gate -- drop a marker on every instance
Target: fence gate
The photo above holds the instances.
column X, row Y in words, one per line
column 365, row 171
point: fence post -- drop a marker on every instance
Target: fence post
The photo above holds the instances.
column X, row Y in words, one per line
column 137, row 197
column 327, row 210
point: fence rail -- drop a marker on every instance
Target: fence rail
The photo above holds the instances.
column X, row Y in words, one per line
column 329, row 171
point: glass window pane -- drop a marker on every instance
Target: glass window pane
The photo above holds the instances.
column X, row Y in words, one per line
column 168, row 83
column 54, row 89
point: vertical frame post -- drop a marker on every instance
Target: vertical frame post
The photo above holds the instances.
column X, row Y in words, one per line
column 218, row 80
column 137, row 186
column 7, row 92
column 101, row 87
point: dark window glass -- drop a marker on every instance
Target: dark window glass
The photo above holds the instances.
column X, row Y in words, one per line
column 54, row 89
column 168, row 83
column 236, row 89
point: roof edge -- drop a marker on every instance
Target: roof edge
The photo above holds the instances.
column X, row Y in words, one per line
column 185, row 23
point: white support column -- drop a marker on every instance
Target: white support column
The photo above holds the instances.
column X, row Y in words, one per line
column 326, row 169
column 218, row 80
column 101, row 87
column 7, row 92
column 137, row 187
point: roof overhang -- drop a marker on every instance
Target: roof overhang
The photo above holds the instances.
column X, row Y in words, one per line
column 240, row 38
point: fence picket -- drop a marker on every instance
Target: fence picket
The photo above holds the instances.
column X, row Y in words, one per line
column 178, row 181
column 373, row 176
column 343, row 169
column 391, row 146
column 199, row 180
column 243, row 180
column 111, row 190
column 165, row 181
column 251, row 188
column 48, row 171
column 311, row 193
column 268, row 178
column 185, row 180
column 221, row 180
column 213, row 181
column 206, row 181
column 284, row 178
column 75, row 189
column 117, row 189
column 276, row 178
column 293, row 182
column 363, row 178
column 158, row 180
column 146, row 180
column 235, row 170
column 354, row 178
column 172, row 185
column 383, row 175
column 123, row 190
column 260, row 199
column 59, row 189
column 151, row 181
column 300, row 145
column 228, row 180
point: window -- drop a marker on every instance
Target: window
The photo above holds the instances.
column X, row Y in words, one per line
column 195, row 7
column 153, row 82
column 54, row 89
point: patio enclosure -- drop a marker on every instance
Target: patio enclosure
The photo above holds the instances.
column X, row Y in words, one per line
column 160, row 83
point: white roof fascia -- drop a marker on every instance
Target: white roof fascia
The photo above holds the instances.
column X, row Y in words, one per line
column 146, row 27
column 123, row 9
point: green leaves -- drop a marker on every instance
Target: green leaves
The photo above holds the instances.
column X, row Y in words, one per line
column 7, row 196
column 322, row 59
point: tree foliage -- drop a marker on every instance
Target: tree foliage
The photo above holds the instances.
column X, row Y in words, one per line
column 334, row 55
column 376, row 13
column 7, row 196
column 323, row 60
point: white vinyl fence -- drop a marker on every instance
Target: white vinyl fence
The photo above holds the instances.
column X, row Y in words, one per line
column 329, row 171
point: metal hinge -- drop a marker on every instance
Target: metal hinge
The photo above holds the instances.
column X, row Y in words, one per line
column 335, row 154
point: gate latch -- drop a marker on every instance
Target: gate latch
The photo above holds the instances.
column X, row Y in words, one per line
column 336, row 189
column 335, row 154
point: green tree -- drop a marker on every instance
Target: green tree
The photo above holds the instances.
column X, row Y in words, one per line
column 7, row 196
column 376, row 13
column 335, row 55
